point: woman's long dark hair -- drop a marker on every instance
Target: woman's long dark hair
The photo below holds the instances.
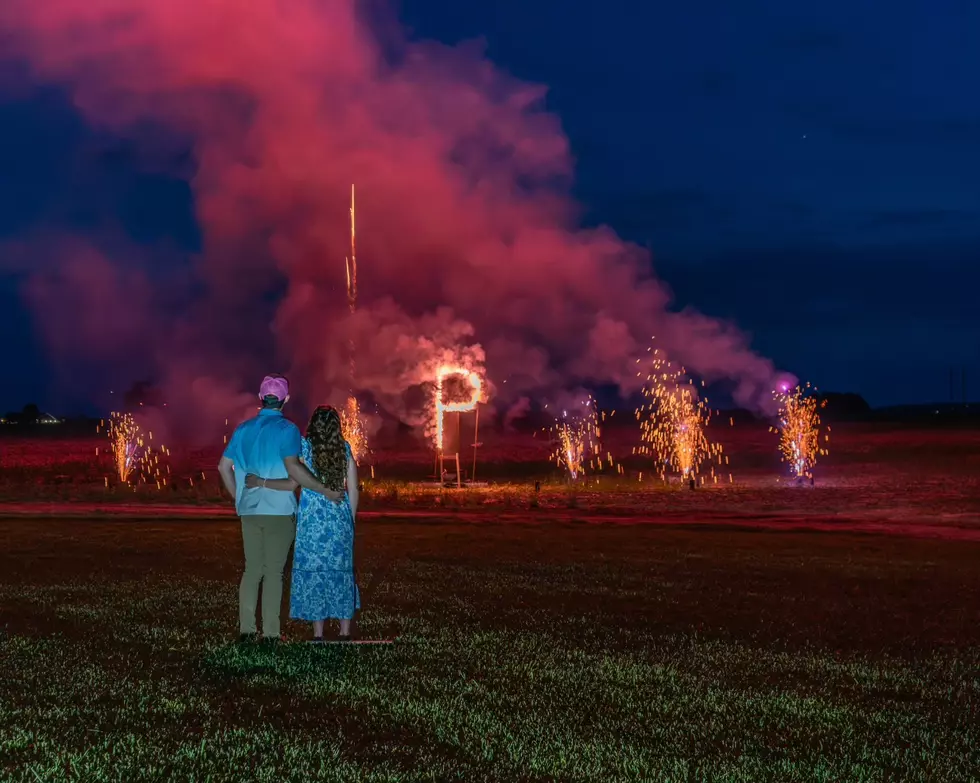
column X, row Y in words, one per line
column 328, row 447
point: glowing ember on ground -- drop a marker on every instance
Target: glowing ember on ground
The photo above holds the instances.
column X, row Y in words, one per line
column 131, row 450
column 799, row 429
column 352, row 427
column 442, row 407
column 673, row 422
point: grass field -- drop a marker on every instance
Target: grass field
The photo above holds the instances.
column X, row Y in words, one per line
column 623, row 630
column 559, row 652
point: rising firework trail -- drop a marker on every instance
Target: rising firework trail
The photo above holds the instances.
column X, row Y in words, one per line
column 352, row 425
column 799, row 429
column 352, row 261
column 673, row 422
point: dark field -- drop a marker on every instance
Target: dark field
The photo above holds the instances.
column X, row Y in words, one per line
column 558, row 652
column 741, row 632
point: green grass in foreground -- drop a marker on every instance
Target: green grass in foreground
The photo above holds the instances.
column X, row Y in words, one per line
column 158, row 693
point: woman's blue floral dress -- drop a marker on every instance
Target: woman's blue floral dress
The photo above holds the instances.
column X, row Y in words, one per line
column 323, row 585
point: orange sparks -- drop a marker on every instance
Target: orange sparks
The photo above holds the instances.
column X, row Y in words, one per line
column 131, row 452
column 673, row 422
column 799, row 429
column 351, row 262
column 578, row 446
column 352, row 427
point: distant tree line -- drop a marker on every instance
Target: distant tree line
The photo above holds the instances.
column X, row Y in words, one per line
column 31, row 414
column 140, row 394
column 845, row 405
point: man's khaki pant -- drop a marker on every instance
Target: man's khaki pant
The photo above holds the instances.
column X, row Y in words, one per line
column 267, row 540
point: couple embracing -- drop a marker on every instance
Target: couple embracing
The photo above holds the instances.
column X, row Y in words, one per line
column 265, row 461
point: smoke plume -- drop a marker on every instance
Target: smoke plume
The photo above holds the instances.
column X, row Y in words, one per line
column 468, row 249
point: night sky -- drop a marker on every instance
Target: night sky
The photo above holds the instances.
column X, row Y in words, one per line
column 809, row 174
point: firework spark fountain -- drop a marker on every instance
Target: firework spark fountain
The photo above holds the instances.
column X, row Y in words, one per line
column 673, row 422
column 132, row 454
column 578, row 441
column 352, row 427
column 571, row 452
column 799, row 429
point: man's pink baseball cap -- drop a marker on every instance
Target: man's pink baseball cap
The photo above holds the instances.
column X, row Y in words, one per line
column 274, row 386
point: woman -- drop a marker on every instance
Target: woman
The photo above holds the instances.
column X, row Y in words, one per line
column 323, row 586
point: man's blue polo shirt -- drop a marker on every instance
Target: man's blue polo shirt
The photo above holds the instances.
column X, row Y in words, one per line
column 259, row 446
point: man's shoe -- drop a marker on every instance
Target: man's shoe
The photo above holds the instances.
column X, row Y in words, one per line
column 343, row 638
column 247, row 638
column 271, row 641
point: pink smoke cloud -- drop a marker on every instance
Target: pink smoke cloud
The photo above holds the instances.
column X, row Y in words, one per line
column 89, row 310
column 467, row 242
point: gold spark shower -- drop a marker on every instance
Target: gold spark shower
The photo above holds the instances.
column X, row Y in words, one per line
column 352, row 428
column 799, row 429
column 131, row 450
column 571, row 452
column 674, row 420
column 578, row 442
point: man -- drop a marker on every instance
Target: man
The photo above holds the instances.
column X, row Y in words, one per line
column 267, row 445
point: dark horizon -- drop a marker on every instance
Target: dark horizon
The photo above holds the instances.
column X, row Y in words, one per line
column 538, row 416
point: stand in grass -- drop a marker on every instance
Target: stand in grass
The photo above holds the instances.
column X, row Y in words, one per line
column 324, row 585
